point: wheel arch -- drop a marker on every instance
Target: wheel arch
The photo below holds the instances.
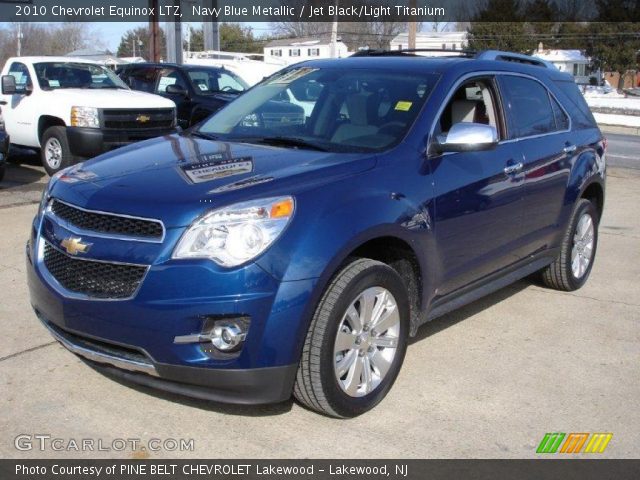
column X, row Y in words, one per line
column 46, row 121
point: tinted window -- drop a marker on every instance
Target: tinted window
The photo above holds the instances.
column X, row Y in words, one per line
column 21, row 74
column 577, row 106
column 143, row 79
column 562, row 121
column 529, row 106
column 213, row 80
column 170, row 77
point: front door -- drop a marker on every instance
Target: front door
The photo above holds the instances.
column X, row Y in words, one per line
column 479, row 197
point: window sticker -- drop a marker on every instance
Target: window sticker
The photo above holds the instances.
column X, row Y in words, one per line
column 203, row 87
column 53, row 83
column 292, row 75
column 165, row 82
column 403, row 106
column 206, row 171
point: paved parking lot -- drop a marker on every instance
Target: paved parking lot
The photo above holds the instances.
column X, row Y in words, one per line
column 486, row 381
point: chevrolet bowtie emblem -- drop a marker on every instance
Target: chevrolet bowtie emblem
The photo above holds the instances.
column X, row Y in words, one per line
column 143, row 118
column 73, row 246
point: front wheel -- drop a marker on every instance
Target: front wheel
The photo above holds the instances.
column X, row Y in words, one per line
column 572, row 267
column 55, row 151
column 356, row 342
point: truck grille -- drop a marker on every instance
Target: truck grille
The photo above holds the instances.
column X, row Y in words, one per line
column 106, row 222
column 92, row 278
column 138, row 119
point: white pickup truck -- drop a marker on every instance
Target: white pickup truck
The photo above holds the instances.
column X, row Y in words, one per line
column 73, row 109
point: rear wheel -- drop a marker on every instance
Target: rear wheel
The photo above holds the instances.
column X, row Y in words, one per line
column 571, row 269
column 55, row 151
column 356, row 342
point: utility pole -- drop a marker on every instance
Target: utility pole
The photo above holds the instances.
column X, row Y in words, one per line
column 334, row 34
column 19, row 48
column 413, row 27
column 154, row 28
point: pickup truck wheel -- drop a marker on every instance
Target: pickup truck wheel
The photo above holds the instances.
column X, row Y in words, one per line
column 55, row 151
column 572, row 267
column 357, row 340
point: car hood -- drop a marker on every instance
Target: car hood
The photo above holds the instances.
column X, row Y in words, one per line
column 110, row 98
column 177, row 177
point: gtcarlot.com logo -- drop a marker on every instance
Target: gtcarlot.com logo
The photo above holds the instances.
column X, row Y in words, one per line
column 44, row 442
column 574, row 442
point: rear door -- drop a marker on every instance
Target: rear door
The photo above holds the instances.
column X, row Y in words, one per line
column 478, row 194
column 542, row 130
column 184, row 103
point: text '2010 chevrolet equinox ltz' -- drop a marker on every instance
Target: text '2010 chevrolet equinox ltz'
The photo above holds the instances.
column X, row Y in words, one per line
column 263, row 254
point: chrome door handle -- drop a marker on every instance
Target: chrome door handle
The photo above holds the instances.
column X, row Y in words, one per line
column 569, row 149
column 511, row 169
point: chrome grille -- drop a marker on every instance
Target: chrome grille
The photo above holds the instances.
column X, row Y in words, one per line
column 102, row 280
column 107, row 223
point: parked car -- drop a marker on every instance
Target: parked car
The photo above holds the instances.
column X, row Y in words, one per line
column 73, row 109
column 4, row 150
column 245, row 261
column 197, row 91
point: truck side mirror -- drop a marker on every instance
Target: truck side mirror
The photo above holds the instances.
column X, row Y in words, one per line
column 8, row 85
column 176, row 90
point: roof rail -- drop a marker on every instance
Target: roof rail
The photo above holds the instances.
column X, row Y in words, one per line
column 512, row 57
column 409, row 51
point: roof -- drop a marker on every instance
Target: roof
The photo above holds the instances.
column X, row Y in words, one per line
column 51, row 59
column 301, row 41
column 562, row 56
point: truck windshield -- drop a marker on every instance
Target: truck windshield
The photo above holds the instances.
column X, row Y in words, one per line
column 214, row 80
column 55, row 75
column 330, row 109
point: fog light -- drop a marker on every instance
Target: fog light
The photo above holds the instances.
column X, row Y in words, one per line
column 227, row 336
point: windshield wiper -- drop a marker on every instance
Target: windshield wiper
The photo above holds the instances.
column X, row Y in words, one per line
column 199, row 134
column 287, row 142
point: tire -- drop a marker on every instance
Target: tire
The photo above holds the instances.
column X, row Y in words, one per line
column 561, row 274
column 55, row 152
column 318, row 385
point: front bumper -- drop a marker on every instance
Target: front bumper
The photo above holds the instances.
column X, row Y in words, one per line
column 133, row 338
column 89, row 142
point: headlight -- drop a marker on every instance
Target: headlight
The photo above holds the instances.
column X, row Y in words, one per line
column 236, row 234
column 85, row 117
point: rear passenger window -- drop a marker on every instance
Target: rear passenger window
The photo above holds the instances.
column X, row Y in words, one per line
column 529, row 106
column 562, row 121
column 577, row 106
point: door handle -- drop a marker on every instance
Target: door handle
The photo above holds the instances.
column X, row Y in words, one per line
column 569, row 149
column 511, row 169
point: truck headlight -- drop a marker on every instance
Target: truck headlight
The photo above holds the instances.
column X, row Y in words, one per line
column 233, row 235
column 85, row 117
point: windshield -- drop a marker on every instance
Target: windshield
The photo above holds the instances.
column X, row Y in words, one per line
column 55, row 75
column 213, row 80
column 326, row 109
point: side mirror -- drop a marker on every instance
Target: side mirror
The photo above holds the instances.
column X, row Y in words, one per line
column 176, row 90
column 468, row 137
column 8, row 85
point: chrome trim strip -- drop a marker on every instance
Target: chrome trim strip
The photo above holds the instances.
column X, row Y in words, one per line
column 53, row 283
column 102, row 357
column 93, row 233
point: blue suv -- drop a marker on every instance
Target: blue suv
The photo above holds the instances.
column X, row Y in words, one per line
column 260, row 255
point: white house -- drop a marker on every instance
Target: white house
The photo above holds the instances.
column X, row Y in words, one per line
column 570, row 61
column 293, row 50
column 432, row 40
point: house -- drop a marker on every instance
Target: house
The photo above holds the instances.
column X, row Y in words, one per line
column 432, row 40
column 570, row 61
column 293, row 50
column 105, row 57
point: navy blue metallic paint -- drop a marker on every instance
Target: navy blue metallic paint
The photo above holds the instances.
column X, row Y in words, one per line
column 460, row 214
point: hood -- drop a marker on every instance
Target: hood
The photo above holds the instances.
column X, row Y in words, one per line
column 175, row 178
column 109, row 98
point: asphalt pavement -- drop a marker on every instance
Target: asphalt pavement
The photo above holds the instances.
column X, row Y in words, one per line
column 486, row 381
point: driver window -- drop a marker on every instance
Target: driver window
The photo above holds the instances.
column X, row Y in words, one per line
column 473, row 102
column 20, row 72
column 169, row 77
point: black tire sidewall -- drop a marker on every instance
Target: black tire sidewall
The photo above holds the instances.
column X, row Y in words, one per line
column 584, row 206
column 67, row 158
column 381, row 276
